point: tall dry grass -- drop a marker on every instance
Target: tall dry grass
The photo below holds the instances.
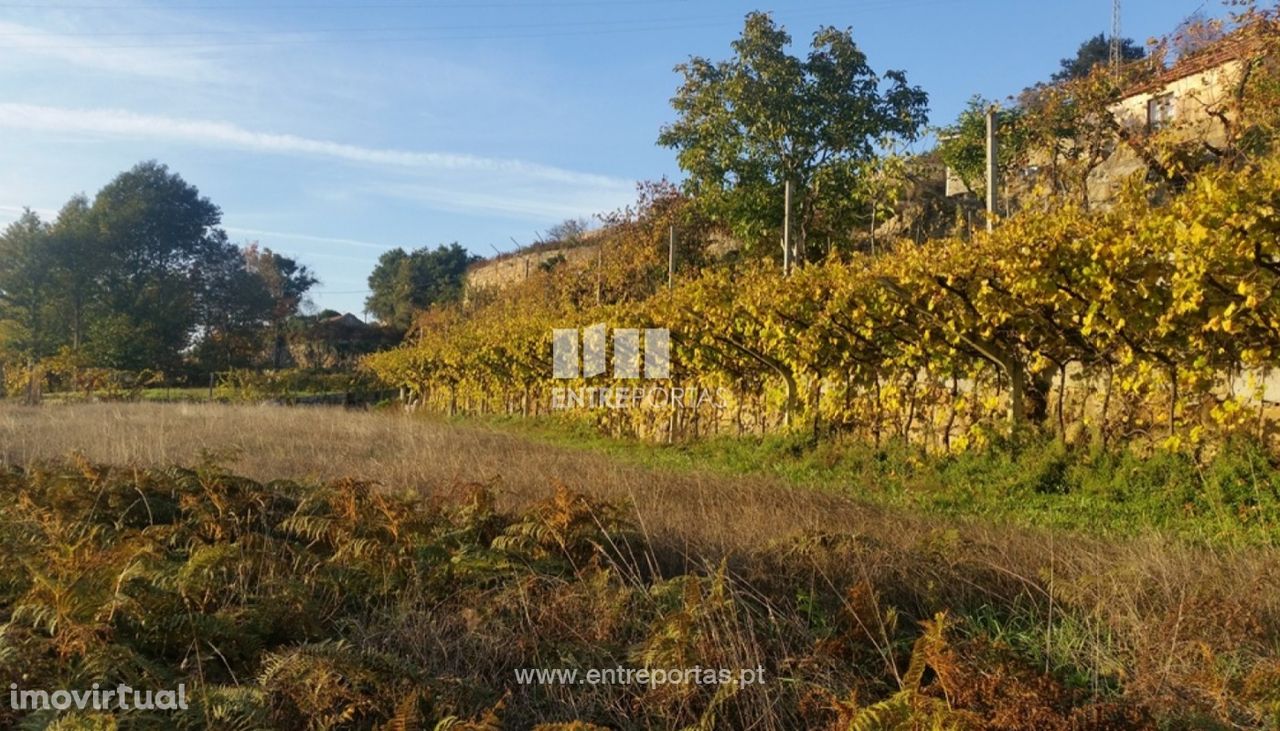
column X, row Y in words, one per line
column 1169, row 625
column 414, row 454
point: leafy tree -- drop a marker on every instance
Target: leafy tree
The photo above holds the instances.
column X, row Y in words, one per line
column 285, row 279
column 141, row 278
column 26, row 289
column 1097, row 50
column 403, row 284
column 963, row 145
column 287, row 284
column 235, row 304
column 155, row 232
column 748, row 124
column 857, row 196
column 77, row 261
column 383, row 296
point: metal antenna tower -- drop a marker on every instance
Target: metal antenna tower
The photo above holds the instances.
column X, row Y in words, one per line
column 1117, row 47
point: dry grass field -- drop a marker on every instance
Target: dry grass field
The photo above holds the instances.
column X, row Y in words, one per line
column 417, row 455
column 1163, row 629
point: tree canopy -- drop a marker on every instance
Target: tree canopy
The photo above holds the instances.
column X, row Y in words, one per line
column 963, row 144
column 155, row 232
column 405, row 283
column 1097, row 50
column 141, row 277
column 26, row 278
column 748, row 124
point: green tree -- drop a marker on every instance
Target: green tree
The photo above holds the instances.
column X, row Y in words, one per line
column 403, row 284
column 963, row 145
column 1097, row 50
column 287, row 284
column 77, row 267
column 26, row 290
column 235, row 306
column 155, row 232
column 747, row 125
column 141, row 278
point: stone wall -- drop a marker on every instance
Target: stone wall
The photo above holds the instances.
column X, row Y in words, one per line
column 512, row 269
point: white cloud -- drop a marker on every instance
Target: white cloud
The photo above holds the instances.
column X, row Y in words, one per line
column 525, row 204
column 302, row 237
column 22, row 40
column 445, row 181
column 304, row 256
column 119, row 123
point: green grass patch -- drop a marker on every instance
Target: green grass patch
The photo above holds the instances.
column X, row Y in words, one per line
column 1229, row 498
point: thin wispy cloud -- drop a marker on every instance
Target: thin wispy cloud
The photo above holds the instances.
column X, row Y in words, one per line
column 520, row 204
column 18, row 41
column 304, row 237
column 305, row 256
column 329, row 152
column 119, row 123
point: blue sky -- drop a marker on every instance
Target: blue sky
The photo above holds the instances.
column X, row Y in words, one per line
column 334, row 130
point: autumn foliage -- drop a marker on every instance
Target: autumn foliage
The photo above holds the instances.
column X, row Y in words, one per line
column 1154, row 319
column 286, row 605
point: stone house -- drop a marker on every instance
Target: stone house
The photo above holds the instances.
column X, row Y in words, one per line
column 1193, row 100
